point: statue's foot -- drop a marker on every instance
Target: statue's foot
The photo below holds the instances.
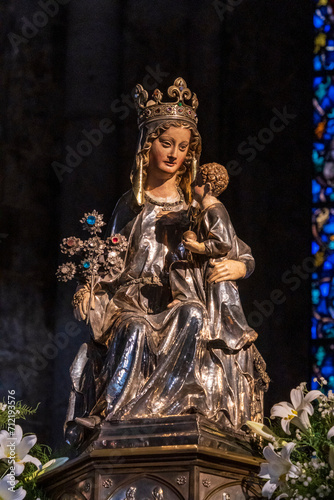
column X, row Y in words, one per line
column 88, row 422
column 74, row 434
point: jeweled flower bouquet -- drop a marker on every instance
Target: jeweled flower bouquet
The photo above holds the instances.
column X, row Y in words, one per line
column 300, row 451
column 93, row 257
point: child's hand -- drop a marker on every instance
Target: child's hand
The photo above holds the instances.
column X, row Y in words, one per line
column 194, row 246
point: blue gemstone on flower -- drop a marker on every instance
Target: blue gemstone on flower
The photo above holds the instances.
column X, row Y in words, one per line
column 91, row 220
column 86, row 264
column 181, row 88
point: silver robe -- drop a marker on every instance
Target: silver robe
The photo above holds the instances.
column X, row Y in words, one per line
column 145, row 359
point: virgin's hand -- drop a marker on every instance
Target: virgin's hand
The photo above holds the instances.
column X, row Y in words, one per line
column 80, row 302
column 227, row 270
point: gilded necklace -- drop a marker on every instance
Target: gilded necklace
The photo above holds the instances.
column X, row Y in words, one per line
column 165, row 205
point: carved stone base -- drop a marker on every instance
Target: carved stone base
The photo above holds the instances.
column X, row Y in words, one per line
column 191, row 459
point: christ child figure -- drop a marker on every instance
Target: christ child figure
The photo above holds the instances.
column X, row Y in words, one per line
column 214, row 239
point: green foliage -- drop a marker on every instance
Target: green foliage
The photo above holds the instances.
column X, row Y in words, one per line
column 42, row 452
column 22, row 411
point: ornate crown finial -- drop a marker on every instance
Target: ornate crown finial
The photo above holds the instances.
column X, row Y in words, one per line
column 154, row 110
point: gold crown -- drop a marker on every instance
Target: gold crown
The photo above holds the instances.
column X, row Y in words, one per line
column 154, row 110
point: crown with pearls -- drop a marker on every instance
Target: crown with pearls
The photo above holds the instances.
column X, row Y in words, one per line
column 155, row 110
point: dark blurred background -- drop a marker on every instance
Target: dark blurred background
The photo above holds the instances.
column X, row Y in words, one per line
column 68, row 64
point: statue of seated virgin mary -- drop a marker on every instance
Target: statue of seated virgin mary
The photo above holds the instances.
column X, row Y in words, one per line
column 149, row 355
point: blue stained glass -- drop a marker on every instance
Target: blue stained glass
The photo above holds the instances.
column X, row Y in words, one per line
column 316, row 117
column 324, row 289
column 328, row 330
column 327, row 265
column 330, row 60
column 327, row 370
column 329, row 228
column 318, row 160
column 327, row 102
column 322, row 307
column 314, row 331
column 320, row 355
column 330, row 382
column 315, row 189
column 314, row 385
column 322, row 191
column 317, row 21
column 315, row 247
column 317, row 65
column 322, row 87
column 329, row 129
column 315, row 296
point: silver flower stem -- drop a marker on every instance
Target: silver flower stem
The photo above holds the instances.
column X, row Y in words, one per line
column 90, row 298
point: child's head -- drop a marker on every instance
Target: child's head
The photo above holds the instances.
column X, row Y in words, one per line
column 214, row 174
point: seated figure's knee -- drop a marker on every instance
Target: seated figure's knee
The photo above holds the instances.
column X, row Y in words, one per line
column 192, row 313
column 132, row 328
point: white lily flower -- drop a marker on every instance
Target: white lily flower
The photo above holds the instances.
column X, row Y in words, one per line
column 298, row 411
column 7, row 491
column 16, row 448
column 262, row 430
column 50, row 465
column 277, row 469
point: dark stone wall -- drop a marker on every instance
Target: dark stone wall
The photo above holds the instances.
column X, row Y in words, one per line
column 247, row 64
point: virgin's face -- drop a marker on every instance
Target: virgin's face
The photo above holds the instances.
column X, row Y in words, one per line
column 168, row 152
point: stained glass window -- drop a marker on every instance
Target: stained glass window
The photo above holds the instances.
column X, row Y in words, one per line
column 322, row 330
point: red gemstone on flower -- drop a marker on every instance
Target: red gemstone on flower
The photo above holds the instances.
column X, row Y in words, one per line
column 70, row 242
column 115, row 240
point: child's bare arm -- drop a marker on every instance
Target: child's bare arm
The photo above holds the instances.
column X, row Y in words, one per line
column 194, row 246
